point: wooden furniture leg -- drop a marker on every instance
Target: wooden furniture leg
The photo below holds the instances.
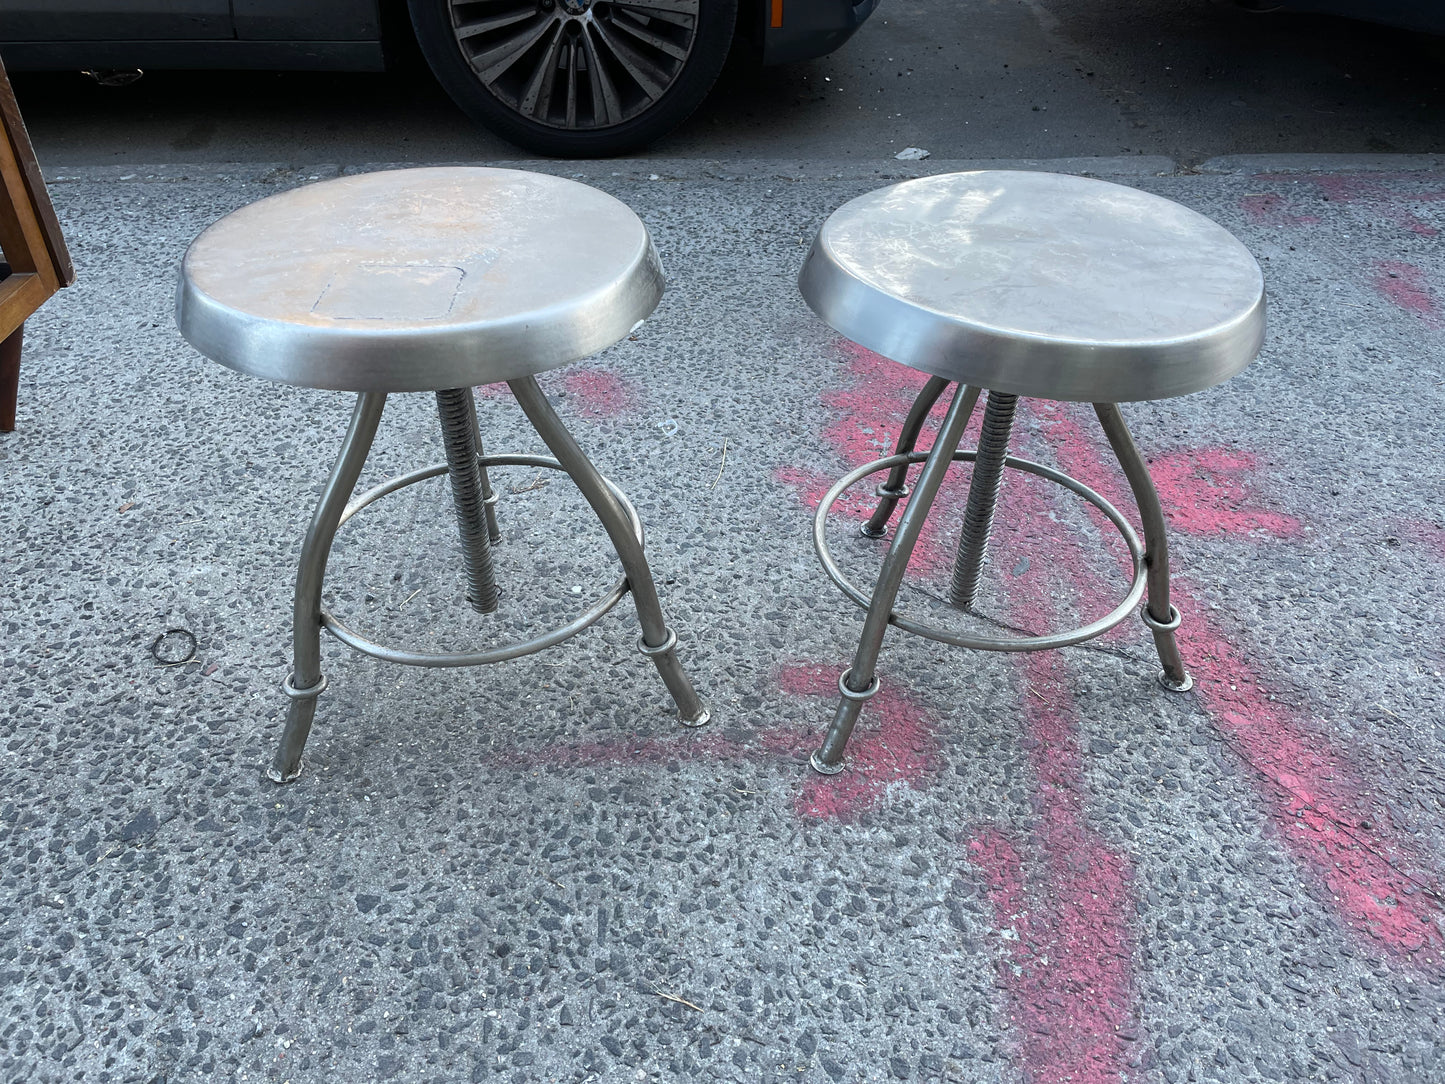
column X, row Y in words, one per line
column 9, row 378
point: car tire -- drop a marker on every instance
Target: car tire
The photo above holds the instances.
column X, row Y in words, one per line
column 576, row 78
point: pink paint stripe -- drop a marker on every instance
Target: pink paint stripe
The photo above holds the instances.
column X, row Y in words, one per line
column 1387, row 205
column 1207, row 491
column 1069, row 948
column 898, row 746
column 895, row 744
column 1311, row 791
column 1272, row 209
column 1393, row 207
column 600, row 393
column 1315, row 798
column 596, row 393
column 1404, row 284
column 867, row 418
column 1067, row 966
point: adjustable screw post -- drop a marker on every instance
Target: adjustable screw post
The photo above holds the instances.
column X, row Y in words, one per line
column 983, row 489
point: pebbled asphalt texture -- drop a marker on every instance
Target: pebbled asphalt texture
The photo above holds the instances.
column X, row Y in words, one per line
column 1038, row 868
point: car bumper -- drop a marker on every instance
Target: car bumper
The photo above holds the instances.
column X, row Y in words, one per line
column 809, row 28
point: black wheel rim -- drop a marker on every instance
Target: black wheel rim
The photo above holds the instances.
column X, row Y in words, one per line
column 576, row 64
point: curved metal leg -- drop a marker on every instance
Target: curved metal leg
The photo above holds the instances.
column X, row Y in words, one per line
column 306, row 683
column 983, row 489
column 458, row 414
column 658, row 642
column 859, row 682
column 896, row 487
column 1159, row 613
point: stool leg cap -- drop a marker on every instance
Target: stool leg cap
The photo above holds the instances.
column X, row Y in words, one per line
column 825, row 769
column 867, row 532
column 1175, row 686
column 275, row 774
column 702, row 719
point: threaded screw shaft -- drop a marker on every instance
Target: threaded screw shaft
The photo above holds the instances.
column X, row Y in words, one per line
column 983, row 490
column 459, row 429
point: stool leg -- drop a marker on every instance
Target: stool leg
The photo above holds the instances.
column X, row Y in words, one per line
column 458, row 414
column 658, row 642
column 1156, row 549
column 306, row 682
column 983, row 490
column 859, row 682
column 891, row 491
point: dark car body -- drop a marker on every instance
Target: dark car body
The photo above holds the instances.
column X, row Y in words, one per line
column 1427, row 15
column 315, row 35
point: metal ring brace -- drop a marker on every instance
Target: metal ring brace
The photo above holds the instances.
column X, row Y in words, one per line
column 497, row 654
column 987, row 643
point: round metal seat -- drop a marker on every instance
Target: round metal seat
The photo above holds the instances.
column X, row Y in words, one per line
column 418, row 280
column 432, row 280
column 1031, row 284
column 1039, row 284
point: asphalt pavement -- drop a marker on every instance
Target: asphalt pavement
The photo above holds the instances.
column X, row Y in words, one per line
column 1038, row 868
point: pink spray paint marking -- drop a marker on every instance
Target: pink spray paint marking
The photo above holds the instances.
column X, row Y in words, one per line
column 1430, row 536
column 600, row 393
column 1311, row 792
column 1385, row 204
column 895, row 744
column 1069, row 975
column 1068, row 957
column 1272, row 209
column 898, row 747
column 1392, row 206
column 1206, row 491
column 1404, row 284
column 1319, row 806
column 866, row 421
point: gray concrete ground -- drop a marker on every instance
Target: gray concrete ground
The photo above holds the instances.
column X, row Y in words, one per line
column 1038, row 869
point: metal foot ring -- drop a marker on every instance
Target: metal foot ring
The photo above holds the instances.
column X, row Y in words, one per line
column 986, row 643
column 854, row 694
column 663, row 648
column 516, row 650
column 304, row 694
column 824, row 769
column 1156, row 625
column 276, row 777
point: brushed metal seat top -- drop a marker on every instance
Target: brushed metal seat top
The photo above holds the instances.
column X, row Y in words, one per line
column 418, row 280
column 1039, row 284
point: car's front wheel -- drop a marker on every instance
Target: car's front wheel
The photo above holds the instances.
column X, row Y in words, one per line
column 576, row 78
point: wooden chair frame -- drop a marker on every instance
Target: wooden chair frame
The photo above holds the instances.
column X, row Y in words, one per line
column 31, row 241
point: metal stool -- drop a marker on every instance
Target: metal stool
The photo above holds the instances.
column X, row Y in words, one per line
column 1028, row 284
column 432, row 280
